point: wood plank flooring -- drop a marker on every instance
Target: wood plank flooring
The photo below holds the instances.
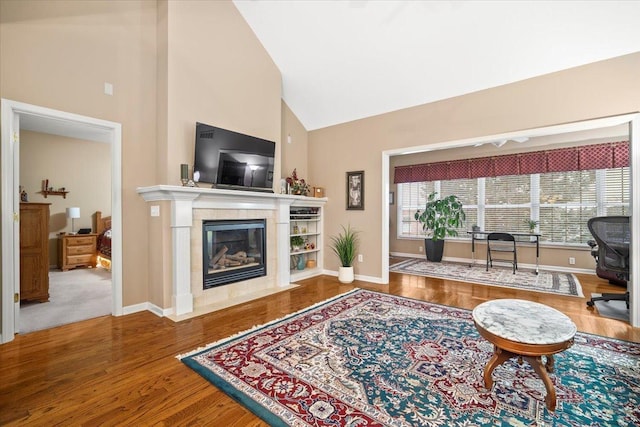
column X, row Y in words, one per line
column 123, row 371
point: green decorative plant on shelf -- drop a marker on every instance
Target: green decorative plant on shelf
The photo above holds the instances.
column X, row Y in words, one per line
column 297, row 243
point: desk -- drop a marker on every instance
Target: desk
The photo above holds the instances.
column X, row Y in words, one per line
column 475, row 234
column 524, row 330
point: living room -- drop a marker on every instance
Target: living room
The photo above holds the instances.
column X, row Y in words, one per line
column 175, row 63
column 253, row 106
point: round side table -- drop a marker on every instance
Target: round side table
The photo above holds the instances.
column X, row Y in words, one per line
column 526, row 330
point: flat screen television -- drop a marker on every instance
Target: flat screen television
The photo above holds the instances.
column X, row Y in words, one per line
column 232, row 160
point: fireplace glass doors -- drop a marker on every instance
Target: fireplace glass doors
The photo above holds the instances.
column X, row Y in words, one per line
column 233, row 250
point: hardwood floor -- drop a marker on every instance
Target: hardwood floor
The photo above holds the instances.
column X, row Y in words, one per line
column 123, row 370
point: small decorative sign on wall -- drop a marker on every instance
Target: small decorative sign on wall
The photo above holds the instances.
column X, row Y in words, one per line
column 355, row 190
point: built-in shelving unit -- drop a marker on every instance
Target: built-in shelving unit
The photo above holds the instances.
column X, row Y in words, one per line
column 305, row 222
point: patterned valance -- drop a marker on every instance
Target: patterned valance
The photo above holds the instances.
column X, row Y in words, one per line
column 586, row 157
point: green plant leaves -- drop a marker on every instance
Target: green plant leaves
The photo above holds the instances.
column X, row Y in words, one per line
column 345, row 246
column 441, row 217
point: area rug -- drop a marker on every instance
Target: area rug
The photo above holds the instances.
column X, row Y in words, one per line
column 366, row 358
column 551, row 282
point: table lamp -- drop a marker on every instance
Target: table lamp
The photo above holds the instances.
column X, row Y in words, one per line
column 73, row 213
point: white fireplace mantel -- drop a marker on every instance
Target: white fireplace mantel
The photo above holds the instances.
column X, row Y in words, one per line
column 185, row 199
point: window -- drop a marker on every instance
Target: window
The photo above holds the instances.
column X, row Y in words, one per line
column 562, row 202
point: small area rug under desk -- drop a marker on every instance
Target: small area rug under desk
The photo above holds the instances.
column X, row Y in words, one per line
column 551, row 282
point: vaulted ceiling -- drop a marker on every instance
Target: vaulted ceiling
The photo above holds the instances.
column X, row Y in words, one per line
column 345, row 60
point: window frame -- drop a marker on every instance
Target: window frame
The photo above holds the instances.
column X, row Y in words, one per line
column 602, row 203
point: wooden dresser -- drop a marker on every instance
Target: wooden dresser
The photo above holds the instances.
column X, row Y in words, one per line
column 77, row 250
column 34, row 251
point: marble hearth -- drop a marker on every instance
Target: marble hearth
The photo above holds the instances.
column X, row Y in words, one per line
column 189, row 207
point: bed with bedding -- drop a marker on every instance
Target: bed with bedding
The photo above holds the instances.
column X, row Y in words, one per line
column 103, row 248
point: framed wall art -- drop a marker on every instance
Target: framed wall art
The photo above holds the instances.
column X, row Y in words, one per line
column 355, row 190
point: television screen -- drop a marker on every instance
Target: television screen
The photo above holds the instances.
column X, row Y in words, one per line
column 228, row 159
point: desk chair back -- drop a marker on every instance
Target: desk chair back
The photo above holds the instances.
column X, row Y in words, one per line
column 499, row 244
column 612, row 235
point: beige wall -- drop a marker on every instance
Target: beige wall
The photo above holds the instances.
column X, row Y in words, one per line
column 171, row 64
column 294, row 153
column 596, row 90
column 59, row 54
column 83, row 168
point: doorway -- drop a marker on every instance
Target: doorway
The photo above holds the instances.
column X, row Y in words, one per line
column 632, row 120
column 17, row 116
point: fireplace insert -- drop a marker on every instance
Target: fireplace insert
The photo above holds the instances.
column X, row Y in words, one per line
column 233, row 251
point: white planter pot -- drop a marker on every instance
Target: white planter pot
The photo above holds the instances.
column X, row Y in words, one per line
column 345, row 274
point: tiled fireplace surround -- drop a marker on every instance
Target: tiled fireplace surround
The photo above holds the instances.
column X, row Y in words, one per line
column 189, row 207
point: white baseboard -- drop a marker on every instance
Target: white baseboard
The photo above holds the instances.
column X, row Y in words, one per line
column 371, row 279
column 160, row 312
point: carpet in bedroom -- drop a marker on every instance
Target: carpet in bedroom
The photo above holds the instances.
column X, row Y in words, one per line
column 74, row 295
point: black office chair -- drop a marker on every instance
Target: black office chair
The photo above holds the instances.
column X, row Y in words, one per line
column 612, row 235
column 501, row 243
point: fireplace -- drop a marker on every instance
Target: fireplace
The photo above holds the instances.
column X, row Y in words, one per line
column 232, row 251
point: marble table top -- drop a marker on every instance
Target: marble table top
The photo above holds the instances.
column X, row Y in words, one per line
column 524, row 321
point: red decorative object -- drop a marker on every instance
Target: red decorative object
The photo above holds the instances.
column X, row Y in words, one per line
column 297, row 185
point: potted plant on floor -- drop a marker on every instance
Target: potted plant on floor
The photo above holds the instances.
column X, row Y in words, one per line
column 439, row 218
column 345, row 246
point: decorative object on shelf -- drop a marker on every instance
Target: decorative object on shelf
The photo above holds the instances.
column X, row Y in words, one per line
column 439, row 218
column 296, row 243
column 345, row 246
column 311, row 263
column 318, row 191
column 23, row 195
column 49, row 191
column 301, row 262
column 73, row 213
column 297, row 185
column 355, row 190
column 283, row 186
column 296, row 229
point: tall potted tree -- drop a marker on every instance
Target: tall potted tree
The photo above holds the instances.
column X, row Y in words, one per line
column 345, row 246
column 439, row 218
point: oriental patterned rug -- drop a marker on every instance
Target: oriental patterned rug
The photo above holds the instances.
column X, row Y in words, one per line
column 552, row 282
column 366, row 358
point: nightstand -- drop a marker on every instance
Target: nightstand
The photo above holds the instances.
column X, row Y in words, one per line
column 77, row 250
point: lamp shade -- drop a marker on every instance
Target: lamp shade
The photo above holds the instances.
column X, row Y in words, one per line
column 73, row 213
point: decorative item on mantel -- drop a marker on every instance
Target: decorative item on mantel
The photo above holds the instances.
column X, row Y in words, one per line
column 184, row 176
column 297, row 185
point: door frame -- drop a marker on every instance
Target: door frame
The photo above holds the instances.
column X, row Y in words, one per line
column 633, row 120
column 64, row 124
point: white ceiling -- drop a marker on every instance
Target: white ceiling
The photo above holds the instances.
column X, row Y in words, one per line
column 345, row 60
